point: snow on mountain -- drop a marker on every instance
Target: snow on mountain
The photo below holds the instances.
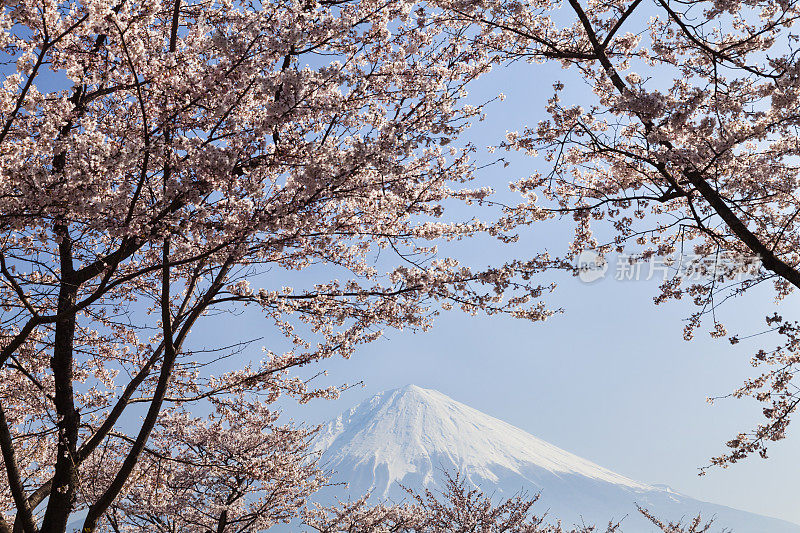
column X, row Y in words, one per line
column 413, row 435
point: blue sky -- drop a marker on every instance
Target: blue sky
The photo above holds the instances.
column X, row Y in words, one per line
column 611, row 379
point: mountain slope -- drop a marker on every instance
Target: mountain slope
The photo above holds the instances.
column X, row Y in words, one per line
column 412, row 435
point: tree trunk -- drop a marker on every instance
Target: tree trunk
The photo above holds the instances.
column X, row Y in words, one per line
column 65, row 478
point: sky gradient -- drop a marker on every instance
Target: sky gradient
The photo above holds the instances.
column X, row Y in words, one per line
column 610, row 379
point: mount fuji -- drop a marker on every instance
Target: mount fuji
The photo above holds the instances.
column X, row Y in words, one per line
column 412, row 436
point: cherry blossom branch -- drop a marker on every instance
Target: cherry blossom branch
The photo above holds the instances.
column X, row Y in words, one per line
column 14, row 478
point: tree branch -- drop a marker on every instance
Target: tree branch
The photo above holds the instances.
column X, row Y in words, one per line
column 14, row 478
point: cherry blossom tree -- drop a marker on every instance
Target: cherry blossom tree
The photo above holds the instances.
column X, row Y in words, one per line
column 695, row 525
column 234, row 470
column 165, row 161
column 162, row 162
column 460, row 509
column 686, row 146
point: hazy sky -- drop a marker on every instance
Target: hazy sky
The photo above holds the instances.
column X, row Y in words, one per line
column 611, row 379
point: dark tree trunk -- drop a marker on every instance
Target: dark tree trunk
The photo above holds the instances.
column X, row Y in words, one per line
column 65, row 478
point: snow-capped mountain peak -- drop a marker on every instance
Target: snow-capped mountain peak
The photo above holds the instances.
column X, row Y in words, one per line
column 411, row 428
column 412, row 436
